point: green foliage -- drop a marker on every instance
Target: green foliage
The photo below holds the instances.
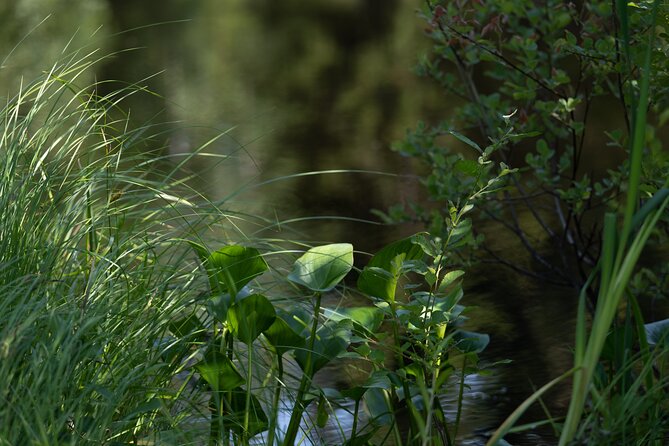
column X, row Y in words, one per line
column 323, row 267
column 92, row 270
column 627, row 391
column 536, row 80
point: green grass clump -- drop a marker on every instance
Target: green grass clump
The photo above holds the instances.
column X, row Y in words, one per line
column 92, row 269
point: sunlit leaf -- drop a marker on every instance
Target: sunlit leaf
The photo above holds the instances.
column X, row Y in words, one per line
column 323, row 267
column 235, row 266
column 250, row 316
column 369, row 319
column 379, row 278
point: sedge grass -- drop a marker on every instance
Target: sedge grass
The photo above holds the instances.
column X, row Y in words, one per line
column 92, row 269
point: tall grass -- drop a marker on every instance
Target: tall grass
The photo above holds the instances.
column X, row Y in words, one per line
column 92, row 268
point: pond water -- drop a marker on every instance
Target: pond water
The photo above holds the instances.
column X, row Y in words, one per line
column 320, row 86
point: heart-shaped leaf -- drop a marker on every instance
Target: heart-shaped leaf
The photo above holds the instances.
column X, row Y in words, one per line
column 218, row 371
column 282, row 337
column 323, row 267
column 250, row 316
column 234, row 266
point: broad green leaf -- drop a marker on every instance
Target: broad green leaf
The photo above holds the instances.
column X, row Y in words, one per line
column 235, row 266
column 369, row 319
column 218, row 371
column 470, row 342
column 355, row 393
column 235, row 420
column 282, row 337
column 657, row 332
column 323, row 267
column 379, row 278
column 377, row 407
column 250, row 316
column 331, row 340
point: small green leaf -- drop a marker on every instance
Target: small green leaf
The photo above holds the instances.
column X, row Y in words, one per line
column 323, row 267
column 449, row 278
column 251, row 316
column 657, row 332
column 218, row 371
column 466, row 140
column 234, row 266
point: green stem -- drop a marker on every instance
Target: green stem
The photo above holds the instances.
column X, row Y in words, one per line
column 460, row 398
column 296, row 417
column 247, row 407
column 354, row 428
column 275, row 403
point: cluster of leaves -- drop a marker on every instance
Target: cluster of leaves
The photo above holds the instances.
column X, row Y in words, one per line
column 224, row 332
column 547, row 70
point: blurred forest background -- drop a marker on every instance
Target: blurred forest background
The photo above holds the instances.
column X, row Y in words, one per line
column 296, row 86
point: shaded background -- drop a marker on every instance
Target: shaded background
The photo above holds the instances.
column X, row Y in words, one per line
column 299, row 86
